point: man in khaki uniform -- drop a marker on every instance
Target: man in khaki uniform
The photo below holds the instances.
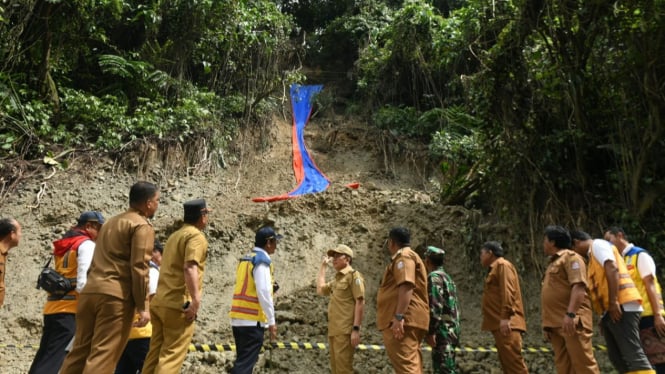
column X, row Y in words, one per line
column 503, row 311
column 117, row 286
column 345, row 310
column 402, row 307
column 10, row 235
column 179, row 292
column 567, row 319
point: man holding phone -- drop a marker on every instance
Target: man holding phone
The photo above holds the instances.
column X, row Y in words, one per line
column 179, row 292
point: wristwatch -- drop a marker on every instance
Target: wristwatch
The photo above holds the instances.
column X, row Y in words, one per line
column 399, row 317
column 571, row 314
column 356, row 328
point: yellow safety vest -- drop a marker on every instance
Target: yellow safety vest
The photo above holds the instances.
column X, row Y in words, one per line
column 145, row 331
column 245, row 304
column 631, row 265
column 600, row 297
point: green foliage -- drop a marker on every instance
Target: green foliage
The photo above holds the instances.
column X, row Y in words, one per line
column 415, row 60
column 101, row 74
column 186, row 118
column 552, row 110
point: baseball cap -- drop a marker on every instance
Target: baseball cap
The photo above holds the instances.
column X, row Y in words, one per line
column 341, row 249
column 90, row 216
column 265, row 233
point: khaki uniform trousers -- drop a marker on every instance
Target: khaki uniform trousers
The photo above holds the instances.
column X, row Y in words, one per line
column 509, row 349
column 171, row 336
column 102, row 328
column 341, row 354
column 573, row 354
column 405, row 355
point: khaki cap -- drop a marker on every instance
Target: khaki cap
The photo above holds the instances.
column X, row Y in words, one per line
column 341, row 249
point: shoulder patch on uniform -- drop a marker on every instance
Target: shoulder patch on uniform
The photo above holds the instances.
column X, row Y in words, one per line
column 575, row 265
column 358, row 281
column 400, row 265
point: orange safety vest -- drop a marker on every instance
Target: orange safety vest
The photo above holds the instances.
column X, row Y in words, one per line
column 65, row 254
column 631, row 265
column 245, row 304
column 599, row 290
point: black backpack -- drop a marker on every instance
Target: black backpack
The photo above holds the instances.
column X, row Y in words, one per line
column 53, row 282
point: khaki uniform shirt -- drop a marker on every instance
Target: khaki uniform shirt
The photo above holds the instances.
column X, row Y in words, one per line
column 502, row 297
column 347, row 287
column 405, row 267
column 565, row 269
column 120, row 264
column 185, row 245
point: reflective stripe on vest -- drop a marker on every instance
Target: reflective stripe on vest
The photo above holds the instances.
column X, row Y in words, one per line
column 598, row 287
column 245, row 303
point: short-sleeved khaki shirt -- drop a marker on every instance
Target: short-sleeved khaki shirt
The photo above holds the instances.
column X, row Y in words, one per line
column 186, row 244
column 347, row 287
column 405, row 267
column 565, row 269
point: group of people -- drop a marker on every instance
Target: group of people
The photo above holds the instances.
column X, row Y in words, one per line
column 121, row 315
column 416, row 300
column 134, row 302
column 609, row 276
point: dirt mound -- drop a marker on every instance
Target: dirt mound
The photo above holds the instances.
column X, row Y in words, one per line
column 392, row 192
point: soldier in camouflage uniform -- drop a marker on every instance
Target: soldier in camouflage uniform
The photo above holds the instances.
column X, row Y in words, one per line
column 444, row 326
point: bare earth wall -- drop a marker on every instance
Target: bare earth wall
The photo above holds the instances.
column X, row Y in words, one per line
column 311, row 225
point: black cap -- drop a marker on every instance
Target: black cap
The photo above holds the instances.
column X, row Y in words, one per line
column 265, row 233
column 93, row 216
column 194, row 209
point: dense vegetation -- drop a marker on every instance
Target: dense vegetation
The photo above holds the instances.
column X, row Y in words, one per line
column 539, row 111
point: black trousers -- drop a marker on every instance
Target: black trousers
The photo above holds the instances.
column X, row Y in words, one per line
column 249, row 340
column 131, row 361
column 58, row 332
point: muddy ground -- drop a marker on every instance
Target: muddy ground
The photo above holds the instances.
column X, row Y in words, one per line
column 399, row 190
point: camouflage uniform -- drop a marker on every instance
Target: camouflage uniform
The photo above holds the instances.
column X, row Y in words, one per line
column 444, row 321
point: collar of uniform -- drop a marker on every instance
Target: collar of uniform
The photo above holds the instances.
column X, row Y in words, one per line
column 557, row 254
column 346, row 270
column 398, row 253
column 134, row 210
column 628, row 248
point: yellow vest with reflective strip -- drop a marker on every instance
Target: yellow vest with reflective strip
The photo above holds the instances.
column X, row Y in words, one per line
column 631, row 265
column 598, row 287
column 245, row 304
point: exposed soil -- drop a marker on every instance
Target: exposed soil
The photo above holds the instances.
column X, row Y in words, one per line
column 393, row 191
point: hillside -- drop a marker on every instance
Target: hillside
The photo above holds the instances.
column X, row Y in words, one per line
column 393, row 191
